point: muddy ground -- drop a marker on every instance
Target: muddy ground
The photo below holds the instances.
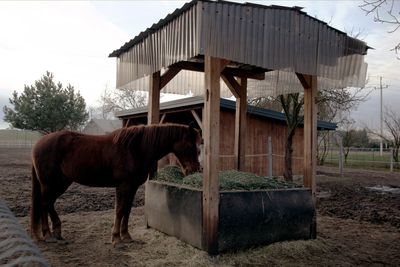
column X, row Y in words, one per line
column 357, row 225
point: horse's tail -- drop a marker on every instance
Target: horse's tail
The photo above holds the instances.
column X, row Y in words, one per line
column 35, row 206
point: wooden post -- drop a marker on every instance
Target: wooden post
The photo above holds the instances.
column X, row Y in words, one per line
column 239, row 90
column 310, row 139
column 269, row 156
column 211, row 124
column 240, row 126
column 153, row 115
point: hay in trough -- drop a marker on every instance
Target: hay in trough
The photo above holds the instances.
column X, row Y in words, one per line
column 229, row 180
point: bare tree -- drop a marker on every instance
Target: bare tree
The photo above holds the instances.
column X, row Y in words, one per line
column 117, row 100
column 391, row 135
column 332, row 104
column 384, row 11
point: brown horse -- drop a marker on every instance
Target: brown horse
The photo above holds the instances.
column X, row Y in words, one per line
column 122, row 159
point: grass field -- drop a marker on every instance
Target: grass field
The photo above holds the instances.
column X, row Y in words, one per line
column 363, row 158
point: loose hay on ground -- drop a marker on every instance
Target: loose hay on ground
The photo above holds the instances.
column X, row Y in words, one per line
column 229, row 180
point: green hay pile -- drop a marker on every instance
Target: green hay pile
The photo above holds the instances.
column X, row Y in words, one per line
column 229, row 180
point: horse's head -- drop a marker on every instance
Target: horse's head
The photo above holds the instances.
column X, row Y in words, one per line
column 187, row 150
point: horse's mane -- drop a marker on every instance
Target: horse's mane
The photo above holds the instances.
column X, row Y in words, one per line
column 149, row 136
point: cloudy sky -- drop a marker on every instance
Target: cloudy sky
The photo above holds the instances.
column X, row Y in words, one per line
column 73, row 40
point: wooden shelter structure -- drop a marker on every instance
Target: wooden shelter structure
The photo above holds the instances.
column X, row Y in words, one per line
column 256, row 50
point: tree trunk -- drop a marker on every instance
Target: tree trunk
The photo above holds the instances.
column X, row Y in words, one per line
column 288, row 173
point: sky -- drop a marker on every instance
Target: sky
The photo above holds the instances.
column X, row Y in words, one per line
column 73, row 40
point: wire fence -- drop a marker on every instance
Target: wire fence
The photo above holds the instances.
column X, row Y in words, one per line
column 18, row 138
column 16, row 247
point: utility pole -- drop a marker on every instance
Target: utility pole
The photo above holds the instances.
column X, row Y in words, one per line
column 381, row 87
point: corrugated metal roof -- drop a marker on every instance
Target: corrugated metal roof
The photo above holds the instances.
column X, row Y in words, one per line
column 283, row 39
column 198, row 101
column 177, row 12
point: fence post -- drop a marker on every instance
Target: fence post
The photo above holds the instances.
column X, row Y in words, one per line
column 270, row 156
column 341, row 163
column 391, row 159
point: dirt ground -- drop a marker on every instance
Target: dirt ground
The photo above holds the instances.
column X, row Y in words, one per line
column 357, row 225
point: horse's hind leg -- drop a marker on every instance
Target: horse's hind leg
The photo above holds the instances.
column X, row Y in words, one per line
column 55, row 220
column 55, row 223
column 123, row 199
column 49, row 196
column 47, row 236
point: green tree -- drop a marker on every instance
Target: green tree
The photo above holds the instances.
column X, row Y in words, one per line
column 46, row 107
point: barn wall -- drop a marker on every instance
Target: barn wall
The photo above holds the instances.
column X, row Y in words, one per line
column 257, row 132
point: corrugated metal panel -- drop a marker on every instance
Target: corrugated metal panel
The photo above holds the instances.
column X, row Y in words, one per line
column 283, row 39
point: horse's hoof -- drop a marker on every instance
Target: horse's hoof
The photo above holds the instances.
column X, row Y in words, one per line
column 126, row 241
column 62, row 241
column 50, row 240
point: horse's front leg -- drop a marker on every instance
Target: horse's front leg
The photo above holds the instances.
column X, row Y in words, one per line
column 125, row 236
column 123, row 200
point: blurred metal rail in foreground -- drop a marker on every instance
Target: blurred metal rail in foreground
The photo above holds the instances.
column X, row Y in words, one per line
column 16, row 247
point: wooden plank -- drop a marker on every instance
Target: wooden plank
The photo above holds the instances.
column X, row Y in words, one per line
column 197, row 118
column 310, row 140
column 211, row 120
column 153, row 115
column 168, row 76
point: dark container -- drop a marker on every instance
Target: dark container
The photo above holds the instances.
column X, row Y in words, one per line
column 246, row 218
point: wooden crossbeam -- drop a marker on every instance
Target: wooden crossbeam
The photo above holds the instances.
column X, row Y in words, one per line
column 257, row 74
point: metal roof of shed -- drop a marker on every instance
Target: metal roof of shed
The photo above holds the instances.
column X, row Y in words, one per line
column 280, row 40
column 198, row 101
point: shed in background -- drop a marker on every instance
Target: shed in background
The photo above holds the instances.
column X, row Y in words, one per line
column 101, row 126
column 261, row 123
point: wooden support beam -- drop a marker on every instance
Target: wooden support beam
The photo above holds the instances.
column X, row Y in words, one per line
column 257, row 73
column 211, row 120
column 310, row 139
column 168, row 76
column 232, row 84
column 153, row 115
column 197, row 118
column 239, row 90
column 305, row 80
column 240, row 126
column 163, row 118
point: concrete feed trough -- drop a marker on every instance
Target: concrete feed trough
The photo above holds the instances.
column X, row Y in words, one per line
column 246, row 218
